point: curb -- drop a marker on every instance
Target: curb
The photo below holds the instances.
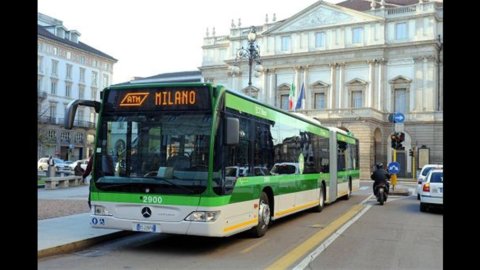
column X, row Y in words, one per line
column 78, row 245
column 399, row 192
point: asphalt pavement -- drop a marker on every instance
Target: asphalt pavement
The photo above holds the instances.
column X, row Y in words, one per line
column 73, row 232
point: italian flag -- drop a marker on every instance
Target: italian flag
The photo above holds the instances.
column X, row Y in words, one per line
column 291, row 98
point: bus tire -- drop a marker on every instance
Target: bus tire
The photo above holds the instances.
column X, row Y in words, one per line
column 321, row 204
column 263, row 216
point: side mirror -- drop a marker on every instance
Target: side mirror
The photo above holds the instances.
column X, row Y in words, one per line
column 232, row 131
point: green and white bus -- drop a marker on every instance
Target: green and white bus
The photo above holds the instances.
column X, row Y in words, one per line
column 198, row 159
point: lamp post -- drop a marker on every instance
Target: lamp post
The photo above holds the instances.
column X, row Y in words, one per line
column 440, row 47
column 252, row 53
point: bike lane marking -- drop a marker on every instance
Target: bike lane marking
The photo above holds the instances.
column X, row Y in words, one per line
column 332, row 231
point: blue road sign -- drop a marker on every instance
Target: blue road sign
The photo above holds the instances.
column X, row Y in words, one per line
column 393, row 167
column 398, row 117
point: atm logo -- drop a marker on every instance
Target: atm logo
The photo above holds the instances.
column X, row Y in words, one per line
column 134, row 99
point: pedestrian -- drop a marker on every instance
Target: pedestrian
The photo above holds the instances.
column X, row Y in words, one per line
column 86, row 173
column 51, row 166
column 78, row 170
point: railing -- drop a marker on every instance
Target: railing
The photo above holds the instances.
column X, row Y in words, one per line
column 401, row 10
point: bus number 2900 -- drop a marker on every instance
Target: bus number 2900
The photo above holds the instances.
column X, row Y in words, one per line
column 152, row 199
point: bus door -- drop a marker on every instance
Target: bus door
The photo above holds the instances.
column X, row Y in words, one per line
column 332, row 190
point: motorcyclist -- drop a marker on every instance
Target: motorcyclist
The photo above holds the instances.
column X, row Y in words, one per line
column 380, row 175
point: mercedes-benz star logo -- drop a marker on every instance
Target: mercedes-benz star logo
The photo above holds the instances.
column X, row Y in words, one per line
column 146, row 212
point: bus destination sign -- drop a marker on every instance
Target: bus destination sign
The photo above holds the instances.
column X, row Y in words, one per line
column 196, row 98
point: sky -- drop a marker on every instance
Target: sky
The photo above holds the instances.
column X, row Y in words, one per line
column 150, row 37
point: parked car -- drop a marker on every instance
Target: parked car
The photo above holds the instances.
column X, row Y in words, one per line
column 83, row 164
column 60, row 165
column 423, row 173
column 432, row 190
column 285, row 168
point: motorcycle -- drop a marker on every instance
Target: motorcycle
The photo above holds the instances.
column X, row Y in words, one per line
column 381, row 192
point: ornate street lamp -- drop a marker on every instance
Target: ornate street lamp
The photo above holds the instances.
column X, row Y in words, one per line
column 252, row 53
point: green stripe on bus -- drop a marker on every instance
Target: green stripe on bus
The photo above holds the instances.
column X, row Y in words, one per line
column 258, row 110
column 345, row 138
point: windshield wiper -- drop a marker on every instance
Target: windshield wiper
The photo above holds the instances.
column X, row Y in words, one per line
column 170, row 183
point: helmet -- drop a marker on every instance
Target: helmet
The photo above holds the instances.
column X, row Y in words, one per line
column 379, row 165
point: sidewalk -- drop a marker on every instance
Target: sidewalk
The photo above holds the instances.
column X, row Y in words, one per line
column 68, row 234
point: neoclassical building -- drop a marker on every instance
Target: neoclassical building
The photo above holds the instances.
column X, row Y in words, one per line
column 359, row 62
column 68, row 69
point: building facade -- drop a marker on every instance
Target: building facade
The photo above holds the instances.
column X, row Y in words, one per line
column 358, row 62
column 67, row 70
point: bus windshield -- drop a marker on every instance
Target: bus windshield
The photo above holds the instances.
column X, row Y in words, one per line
column 150, row 152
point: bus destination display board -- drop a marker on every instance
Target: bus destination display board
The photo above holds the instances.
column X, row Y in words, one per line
column 163, row 99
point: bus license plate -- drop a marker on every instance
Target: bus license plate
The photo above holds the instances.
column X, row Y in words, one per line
column 145, row 227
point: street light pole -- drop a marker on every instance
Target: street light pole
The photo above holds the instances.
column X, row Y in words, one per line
column 440, row 47
column 252, row 53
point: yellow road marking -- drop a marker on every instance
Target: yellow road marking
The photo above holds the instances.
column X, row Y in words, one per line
column 296, row 208
column 254, row 246
column 301, row 250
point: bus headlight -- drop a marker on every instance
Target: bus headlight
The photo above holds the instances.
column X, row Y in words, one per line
column 100, row 210
column 203, row 216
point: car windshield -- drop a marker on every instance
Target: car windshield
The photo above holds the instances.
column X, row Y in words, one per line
column 166, row 153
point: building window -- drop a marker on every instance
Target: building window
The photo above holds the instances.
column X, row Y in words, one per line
column 400, row 100
column 69, row 72
column 284, row 102
column 39, row 83
column 65, row 136
column 401, row 31
column 357, row 99
column 93, row 93
column 53, row 87
column 357, row 36
column 68, row 89
column 53, row 110
column 320, row 40
column 52, row 134
column 94, row 78
column 82, row 75
column 81, row 92
column 40, row 64
column 80, row 115
column 319, row 101
column 285, row 44
column 54, row 68
column 105, row 80
column 79, row 138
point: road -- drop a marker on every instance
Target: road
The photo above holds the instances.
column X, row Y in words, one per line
column 393, row 236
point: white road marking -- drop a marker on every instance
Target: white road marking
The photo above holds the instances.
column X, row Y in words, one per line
column 310, row 257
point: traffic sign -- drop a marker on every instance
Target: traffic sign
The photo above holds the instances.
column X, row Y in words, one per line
column 398, row 117
column 393, row 167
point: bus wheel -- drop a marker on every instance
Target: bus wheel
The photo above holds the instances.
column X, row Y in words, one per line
column 320, row 206
column 263, row 216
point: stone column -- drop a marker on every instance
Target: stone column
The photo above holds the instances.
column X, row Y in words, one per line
column 333, row 86
column 418, row 85
column 380, row 85
column 265, row 86
column 305, row 85
column 371, row 75
column 342, row 96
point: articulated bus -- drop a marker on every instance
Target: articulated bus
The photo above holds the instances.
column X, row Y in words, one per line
column 198, row 159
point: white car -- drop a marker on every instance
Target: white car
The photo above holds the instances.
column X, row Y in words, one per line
column 423, row 173
column 432, row 190
column 83, row 164
column 285, row 168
